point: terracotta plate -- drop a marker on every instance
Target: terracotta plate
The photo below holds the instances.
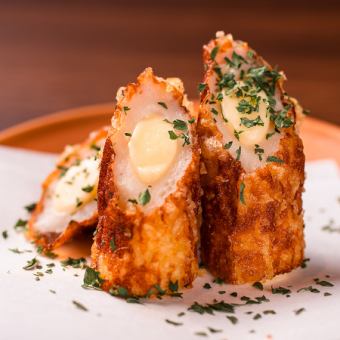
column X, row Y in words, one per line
column 50, row 133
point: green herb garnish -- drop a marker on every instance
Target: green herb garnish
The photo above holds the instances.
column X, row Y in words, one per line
column 88, row 188
column 75, row 263
column 113, row 244
column 228, row 145
column 242, row 187
column 238, row 153
column 125, row 109
column 20, row 224
column 163, row 105
column 207, row 285
column 79, row 306
column 274, row 159
column 251, row 122
column 144, row 197
column 214, row 52
column 299, row 311
column 281, row 290
column 32, row 264
column 30, row 207
column 201, row 87
column 232, row 319
column 258, row 285
column 323, row 283
column 174, row 323
column 92, row 279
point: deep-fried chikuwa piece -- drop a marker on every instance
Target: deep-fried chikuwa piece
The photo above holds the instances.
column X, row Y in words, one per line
column 68, row 203
column 252, row 166
column 148, row 195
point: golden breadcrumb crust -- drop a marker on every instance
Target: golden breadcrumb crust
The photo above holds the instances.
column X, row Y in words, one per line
column 154, row 249
column 262, row 237
column 53, row 240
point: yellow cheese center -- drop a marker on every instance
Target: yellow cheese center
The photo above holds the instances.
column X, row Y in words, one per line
column 249, row 135
column 77, row 187
column 151, row 150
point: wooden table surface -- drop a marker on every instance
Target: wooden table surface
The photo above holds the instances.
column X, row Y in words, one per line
column 64, row 54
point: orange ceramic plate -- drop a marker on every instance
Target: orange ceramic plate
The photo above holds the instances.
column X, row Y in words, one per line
column 50, row 133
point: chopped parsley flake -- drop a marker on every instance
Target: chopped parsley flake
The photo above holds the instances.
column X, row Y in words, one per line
column 304, row 263
column 163, row 105
column 218, row 280
column 88, row 188
column 242, row 187
column 323, row 283
column 274, row 159
column 308, row 289
column 128, row 134
column 236, row 60
column 79, row 306
column 213, row 330
column 299, row 311
column 268, row 135
column 113, row 244
column 281, row 290
column 257, row 316
column 201, row 334
column 180, row 125
column 258, row 151
column 232, row 319
column 29, row 208
column 258, row 285
column 173, row 286
column 92, row 279
column 248, row 123
column 238, row 153
column 214, row 111
column 144, row 197
column 17, row 251
column 270, row 311
column 32, row 264
column 75, row 263
column 125, row 109
column 20, row 224
column 214, row 52
column 4, row 234
column 172, row 135
column 237, row 134
column 174, row 323
column 201, row 87
column 228, row 145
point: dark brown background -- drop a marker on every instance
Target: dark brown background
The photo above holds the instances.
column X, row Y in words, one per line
column 65, row 54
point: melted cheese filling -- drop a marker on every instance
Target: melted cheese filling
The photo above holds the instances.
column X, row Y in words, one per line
column 77, row 187
column 151, row 151
column 238, row 121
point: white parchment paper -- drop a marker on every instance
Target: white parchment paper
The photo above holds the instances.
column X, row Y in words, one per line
column 29, row 310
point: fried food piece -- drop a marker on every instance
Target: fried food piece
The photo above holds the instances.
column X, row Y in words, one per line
column 252, row 166
column 68, row 203
column 148, row 195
